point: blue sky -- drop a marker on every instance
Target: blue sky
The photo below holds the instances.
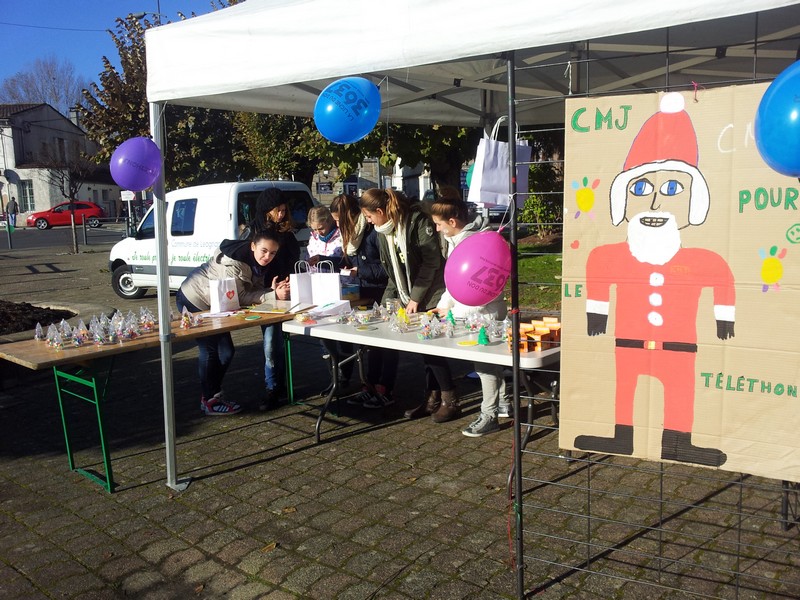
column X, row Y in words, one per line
column 73, row 30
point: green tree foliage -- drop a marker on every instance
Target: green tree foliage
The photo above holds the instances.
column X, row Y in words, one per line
column 282, row 146
column 442, row 149
column 544, row 206
column 200, row 144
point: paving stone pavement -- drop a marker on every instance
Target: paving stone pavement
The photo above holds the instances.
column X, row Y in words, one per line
column 382, row 508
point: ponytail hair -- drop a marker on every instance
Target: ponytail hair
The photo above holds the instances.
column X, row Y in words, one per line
column 391, row 202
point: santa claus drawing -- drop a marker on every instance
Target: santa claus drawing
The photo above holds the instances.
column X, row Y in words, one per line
column 658, row 283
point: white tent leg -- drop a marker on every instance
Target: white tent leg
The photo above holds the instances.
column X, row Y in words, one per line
column 164, row 330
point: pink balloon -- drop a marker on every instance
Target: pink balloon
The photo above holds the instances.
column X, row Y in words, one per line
column 477, row 270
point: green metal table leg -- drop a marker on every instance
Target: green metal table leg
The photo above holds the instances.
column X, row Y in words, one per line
column 85, row 377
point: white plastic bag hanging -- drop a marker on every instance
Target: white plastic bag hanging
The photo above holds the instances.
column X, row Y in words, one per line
column 490, row 184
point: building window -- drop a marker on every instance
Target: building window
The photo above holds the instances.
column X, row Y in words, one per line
column 26, row 203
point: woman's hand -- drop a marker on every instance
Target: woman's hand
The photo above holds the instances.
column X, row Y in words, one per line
column 313, row 260
column 281, row 288
column 412, row 307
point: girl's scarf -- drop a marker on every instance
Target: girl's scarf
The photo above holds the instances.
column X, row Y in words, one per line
column 327, row 237
column 393, row 241
column 355, row 240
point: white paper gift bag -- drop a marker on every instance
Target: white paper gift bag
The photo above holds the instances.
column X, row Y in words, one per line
column 326, row 285
column 300, row 283
column 489, row 184
column 223, row 295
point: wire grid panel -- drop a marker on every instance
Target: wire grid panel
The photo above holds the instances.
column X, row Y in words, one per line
column 619, row 527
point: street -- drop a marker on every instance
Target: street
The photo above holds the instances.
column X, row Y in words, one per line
column 61, row 237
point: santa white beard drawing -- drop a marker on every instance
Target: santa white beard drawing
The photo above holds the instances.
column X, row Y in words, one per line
column 653, row 237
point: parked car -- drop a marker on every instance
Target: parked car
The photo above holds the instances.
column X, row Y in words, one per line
column 60, row 215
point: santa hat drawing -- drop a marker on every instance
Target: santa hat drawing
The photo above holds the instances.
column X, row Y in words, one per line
column 666, row 141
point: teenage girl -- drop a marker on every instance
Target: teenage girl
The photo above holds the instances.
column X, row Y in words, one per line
column 246, row 262
column 411, row 255
column 272, row 213
column 362, row 258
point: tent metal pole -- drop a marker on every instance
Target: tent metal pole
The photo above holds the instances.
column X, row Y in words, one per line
column 164, row 326
column 512, row 197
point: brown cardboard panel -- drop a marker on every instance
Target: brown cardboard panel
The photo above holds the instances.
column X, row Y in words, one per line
column 729, row 265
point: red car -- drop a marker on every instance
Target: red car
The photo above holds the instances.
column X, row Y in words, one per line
column 59, row 215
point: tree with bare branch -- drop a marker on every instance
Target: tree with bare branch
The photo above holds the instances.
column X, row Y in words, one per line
column 48, row 80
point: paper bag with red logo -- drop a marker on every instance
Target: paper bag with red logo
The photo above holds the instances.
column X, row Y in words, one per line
column 223, row 295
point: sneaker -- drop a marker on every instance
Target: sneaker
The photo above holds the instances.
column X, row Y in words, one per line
column 380, row 399
column 481, row 426
column 217, row 406
column 506, row 411
column 360, row 398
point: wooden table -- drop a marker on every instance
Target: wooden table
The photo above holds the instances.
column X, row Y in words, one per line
column 89, row 367
column 380, row 335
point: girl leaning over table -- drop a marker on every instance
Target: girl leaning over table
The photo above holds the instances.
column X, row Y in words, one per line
column 411, row 254
column 325, row 244
column 246, row 262
column 272, row 213
column 362, row 258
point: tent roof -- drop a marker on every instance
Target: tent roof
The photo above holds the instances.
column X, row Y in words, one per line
column 440, row 62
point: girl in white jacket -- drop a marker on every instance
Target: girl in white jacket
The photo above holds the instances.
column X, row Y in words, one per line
column 451, row 220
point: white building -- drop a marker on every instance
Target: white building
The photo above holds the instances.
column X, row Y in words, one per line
column 34, row 137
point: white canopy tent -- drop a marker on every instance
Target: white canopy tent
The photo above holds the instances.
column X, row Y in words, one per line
column 442, row 63
column 440, row 60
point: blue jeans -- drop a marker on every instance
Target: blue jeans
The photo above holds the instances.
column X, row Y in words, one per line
column 215, row 353
column 12, row 219
column 274, row 358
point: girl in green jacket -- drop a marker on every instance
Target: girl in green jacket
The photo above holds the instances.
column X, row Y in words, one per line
column 411, row 255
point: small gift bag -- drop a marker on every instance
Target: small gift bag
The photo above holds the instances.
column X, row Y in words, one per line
column 326, row 284
column 300, row 283
column 223, row 295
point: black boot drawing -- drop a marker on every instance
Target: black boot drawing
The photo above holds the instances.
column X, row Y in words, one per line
column 621, row 443
column 677, row 445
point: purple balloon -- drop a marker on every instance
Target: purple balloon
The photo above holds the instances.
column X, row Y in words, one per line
column 136, row 164
column 477, row 270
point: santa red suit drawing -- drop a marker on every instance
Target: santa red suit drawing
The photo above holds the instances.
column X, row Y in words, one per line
column 658, row 283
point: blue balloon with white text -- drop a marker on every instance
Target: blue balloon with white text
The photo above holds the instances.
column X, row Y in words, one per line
column 347, row 110
column 777, row 124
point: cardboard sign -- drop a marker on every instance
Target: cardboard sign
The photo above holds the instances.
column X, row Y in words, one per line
column 681, row 285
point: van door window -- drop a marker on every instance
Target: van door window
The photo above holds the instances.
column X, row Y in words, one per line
column 147, row 228
column 183, row 217
column 245, row 209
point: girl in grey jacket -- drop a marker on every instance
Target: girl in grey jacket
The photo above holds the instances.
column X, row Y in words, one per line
column 246, row 262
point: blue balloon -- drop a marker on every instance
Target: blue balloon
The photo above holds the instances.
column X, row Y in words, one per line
column 347, row 110
column 777, row 125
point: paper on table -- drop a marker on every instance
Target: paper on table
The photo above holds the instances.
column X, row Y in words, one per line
column 272, row 308
column 227, row 313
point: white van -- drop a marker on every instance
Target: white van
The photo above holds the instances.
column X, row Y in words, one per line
column 198, row 219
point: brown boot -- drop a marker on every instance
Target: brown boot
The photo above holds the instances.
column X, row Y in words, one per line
column 430, row 406
column 449, row 409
